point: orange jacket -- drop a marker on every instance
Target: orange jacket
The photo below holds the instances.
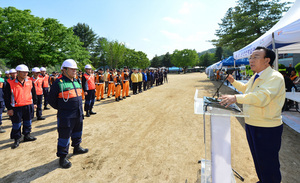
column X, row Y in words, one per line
column 46, row 80
column 90, row 80
column 21, row 93
column 38, row 84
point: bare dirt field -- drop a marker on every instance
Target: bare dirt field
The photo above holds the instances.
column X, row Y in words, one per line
column 151, row 137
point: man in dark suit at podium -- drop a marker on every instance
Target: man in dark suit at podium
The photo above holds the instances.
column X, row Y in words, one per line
column 263, row 98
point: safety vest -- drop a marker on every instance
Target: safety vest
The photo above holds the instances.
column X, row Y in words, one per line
column 90, row 80
column 125, row 76
column 110, row 78
column 67, row 89
column 46, row 80
column 99, row 79
column 38, row 85
column 20, row 94
column 117, row 79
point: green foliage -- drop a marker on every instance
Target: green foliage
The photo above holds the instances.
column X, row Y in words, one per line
column 297, row 67
column 207, row 59
column 86, row 35
column 156, row 62
column 219, row 53
column 281, row 66
column 166, row 60
column 184, row 58
column 247, row 21
column 34, row 41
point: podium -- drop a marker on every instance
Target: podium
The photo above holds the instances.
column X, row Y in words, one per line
column 216, row 167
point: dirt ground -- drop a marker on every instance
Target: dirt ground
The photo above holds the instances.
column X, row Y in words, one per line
column 150, row 137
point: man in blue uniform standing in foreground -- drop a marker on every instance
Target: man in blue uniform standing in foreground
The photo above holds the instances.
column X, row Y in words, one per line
column 65, row 96
column 263, row 98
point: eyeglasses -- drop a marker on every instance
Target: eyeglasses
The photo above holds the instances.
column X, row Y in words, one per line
column 254, row 58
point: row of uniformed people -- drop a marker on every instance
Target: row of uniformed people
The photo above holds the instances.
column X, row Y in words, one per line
column 40, row 81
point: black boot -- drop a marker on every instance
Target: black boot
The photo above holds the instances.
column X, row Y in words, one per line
column 117, row 100
column 15, row 144
column 79, row 150
column 46, row 108
column 41, row 118
column 120, row 98
column 88, row 114
column 29, row 138
column 64, row 162
column 92, row 113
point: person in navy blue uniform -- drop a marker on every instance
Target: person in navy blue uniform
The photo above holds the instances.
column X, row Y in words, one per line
column 89, row 87
column 20, row 101
column 65, row 96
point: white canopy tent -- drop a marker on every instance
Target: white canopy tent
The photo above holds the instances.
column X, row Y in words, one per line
column 284, row 36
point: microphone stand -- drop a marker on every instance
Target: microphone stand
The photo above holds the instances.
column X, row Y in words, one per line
column 217, row 92
column 218, row 95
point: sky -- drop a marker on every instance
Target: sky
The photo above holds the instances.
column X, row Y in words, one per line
column 152, row 26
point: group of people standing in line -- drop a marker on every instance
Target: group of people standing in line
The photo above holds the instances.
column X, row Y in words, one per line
column 22, row 95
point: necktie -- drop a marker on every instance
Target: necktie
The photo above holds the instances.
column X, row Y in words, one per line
column 256, row 76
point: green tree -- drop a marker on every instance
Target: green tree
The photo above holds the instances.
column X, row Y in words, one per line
column 85, row 34
column 207, row 59
column 184, row 58
column 166, row 61
column 34, row 41
column 247, row 21
column 219, row 53
column 156, row 62
column 114, row 53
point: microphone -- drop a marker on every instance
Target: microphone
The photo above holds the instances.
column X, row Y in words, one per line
column 232, row 69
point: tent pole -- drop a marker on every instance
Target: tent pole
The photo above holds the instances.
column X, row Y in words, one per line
column 276, row 53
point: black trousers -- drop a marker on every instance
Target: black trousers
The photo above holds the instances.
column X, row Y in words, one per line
column 144, row 85
column 68, row 127
column 140, row 86
column 89, row 100
column 39, row 105
column 265, row 144
column 134, row 87
column 45, row 93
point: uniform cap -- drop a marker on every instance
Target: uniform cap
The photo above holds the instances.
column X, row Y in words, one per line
column 88, row 66
column 7, row 72
column 22, row 67
column 12, row 71
column 69, row 63
column 42, row 69
column 35, row 69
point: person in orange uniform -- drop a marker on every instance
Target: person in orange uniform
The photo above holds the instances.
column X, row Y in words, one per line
column 46, row 81
column 111, row 85
column 118, row 86
column 38, row 84
column 100, row 85
column 65, row 96
column 88, row 85
column 20, row 101
column 125, row 80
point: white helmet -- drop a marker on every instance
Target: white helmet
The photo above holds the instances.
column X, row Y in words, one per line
column 88, row 66
column 70, row 63
column 42, row 69
column 22, row 67
column 12, row 71
column 36, row 69
column 7, row 72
